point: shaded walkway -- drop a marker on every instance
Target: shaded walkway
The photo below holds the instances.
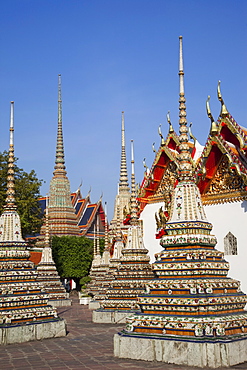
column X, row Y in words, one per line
column 87, row 346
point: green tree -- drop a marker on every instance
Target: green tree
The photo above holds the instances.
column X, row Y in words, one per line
column 73, row 256
column 27, row 192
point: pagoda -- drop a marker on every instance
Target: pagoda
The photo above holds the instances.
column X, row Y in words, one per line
column 103, row 269
column 192, row 314
column 132, row 273
column 123, row 195
column 24, row 312
column 48, row 275
column 92, row 287
column 62, row 217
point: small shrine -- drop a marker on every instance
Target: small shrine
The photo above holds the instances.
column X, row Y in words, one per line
column 48, row 275
column 132, row 273
column 192, row 313
column 24, row 312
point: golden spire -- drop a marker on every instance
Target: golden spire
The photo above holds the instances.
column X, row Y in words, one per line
column 106, row 229
column 133, row 205
column 59, row 161
column 47, row 244
column 185, row 165
column 224, row 111
column 123, row 181
column 10, row 199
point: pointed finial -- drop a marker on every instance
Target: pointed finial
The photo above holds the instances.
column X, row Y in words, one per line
column 224, row 111
column 160, row 133
column 10, row 198
column 171, row 129
column 123, row 181
column 106, row 229
column 154, row 150
column 181, row 66
column 97, row 236
column 133, row 205
column 145, row 166
column 94, row 242
column 214, row 128
column 47, row 244
column 59, row 162
column 185, row 160
column 191, row 135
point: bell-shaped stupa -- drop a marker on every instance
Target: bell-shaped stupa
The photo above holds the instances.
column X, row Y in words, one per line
column 24, row 312
column 192, row 314
column 132, row 273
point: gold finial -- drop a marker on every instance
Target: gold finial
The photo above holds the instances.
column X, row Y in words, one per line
column 214, row 128
column 224, row 111
column 145, row 166
column 191, row 135
column 160, row 133
column 171, row 129
column 154, row 150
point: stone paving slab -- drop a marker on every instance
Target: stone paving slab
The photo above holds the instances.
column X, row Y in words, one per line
column 86, row 346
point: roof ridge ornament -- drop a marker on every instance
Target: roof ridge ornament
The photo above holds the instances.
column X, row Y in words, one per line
column 191, row 134
column 224, row 112
column 171, row 129
column 160, row 133
column 214, row 127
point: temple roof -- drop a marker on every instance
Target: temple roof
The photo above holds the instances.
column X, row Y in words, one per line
column 222, row 160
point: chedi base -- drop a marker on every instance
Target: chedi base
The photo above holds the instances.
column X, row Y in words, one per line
column 181, row 352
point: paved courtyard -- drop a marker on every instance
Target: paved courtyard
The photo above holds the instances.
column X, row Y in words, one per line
column 86, row 346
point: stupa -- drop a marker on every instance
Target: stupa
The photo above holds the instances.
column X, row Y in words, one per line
column 92, row 287
column 103, row 269
column 192, row 314
column 121, row 206
column 132, row 273
column 62, row 217
column 24, row 312
column 48, row 275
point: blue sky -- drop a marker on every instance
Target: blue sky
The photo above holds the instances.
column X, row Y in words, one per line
column 114, row 55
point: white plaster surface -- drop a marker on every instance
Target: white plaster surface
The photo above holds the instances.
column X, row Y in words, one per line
column 149, row 229
column 60, row 302
column 212, row 355
column 93, row 305
column 26, row 333
column 231, row 217
column 107, row 317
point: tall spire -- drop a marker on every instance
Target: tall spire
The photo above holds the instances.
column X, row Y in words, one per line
column 62, row 217
column 106, row 229
column 133, row 205
column 186, row 192
column 123, row 182
column 10, row 224
column 10, row 199
column 59, row 162
column 185, row 168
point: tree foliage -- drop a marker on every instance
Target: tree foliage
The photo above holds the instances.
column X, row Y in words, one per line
column 72, row 255
column 27, row 192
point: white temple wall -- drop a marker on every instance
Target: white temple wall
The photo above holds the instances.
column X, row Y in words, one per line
column 228, row 217
column 231, row 217
column 149, row 229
